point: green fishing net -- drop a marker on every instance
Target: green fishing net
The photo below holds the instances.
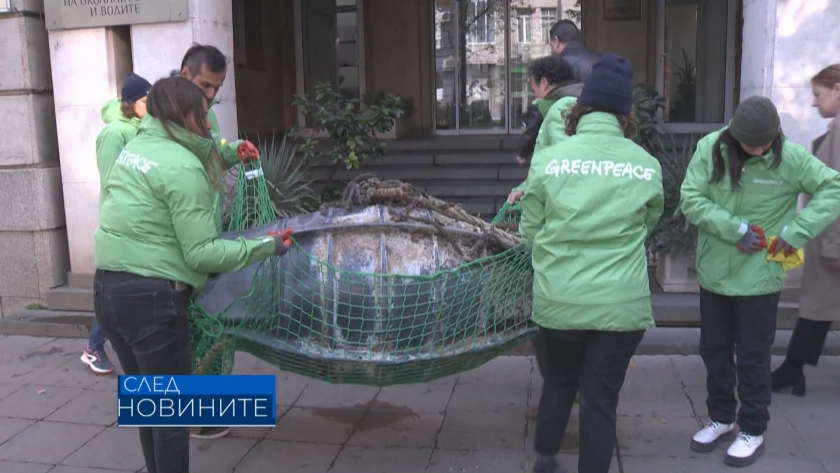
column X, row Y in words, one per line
column 351, row 305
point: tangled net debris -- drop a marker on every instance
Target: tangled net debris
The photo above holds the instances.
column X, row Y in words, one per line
column 388, row 286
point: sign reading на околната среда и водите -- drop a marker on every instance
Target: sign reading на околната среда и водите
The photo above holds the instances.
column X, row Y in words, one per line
column 71, row 14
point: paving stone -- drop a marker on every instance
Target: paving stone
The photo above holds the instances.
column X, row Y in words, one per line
column 774, row 464
column 317, row 425
column 690, row 368
column 9, row 427
column 63, row 439
column 325, row 395
column 219, row 455
column 23, row 467
column 817, row 431
column 571, row 440
column 656, row 436
column 502, row 430
column 271, row 455
column 244, row 363
column 289, row 385
column 477, row 461
column 502, row 370
column 417, row 398
column 702, row 464
column 75, row 374
column 36, row 402
column 117, row 448
column 6, row 389
column 480, row 397
column 75, row 469
column 394, row 429
column 89, row 407
column 19, row 344
column 570, row 462
column 381, row 460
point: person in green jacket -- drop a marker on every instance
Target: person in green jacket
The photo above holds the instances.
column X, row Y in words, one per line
column 156, row 244
column 740, row 191
column 206, row 67
column 591, row 202
column 555, row 91
column 122, row 118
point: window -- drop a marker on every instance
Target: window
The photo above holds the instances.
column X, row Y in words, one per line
column 524, row 29
column 695, row 74
column 482, row 57
column 548, row 16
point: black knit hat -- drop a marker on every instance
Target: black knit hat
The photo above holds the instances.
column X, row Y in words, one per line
column 756, row 122
column 134, row 88
column 609, row 87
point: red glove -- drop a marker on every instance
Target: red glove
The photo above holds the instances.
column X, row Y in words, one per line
column 781, row 245
column 247, row 151
column 282, row 240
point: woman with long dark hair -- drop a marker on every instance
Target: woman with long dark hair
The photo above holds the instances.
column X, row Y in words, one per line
column 819, row 302
column 157, row 243
column 741, row 191
column 591, row 202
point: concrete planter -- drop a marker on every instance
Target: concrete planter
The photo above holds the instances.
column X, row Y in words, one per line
column 675, row 273
column 400, row 130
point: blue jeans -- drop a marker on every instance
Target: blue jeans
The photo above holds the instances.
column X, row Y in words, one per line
column 96, row 340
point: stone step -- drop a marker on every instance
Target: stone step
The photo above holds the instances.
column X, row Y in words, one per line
column 47, row 323
column 70, row 299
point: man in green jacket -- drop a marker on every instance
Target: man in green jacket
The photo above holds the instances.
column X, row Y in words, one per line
column 741, row 190
column 206, row 67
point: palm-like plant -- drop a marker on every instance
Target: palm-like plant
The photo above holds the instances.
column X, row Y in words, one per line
column 287, row 177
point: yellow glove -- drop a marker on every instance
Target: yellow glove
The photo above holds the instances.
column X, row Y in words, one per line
column 790, row 262
column 223, row 141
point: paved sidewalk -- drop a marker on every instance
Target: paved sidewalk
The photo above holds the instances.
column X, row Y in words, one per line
column 57, row 417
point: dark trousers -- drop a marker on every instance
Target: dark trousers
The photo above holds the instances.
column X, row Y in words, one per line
column 596, row 363
column 744, row 327
column 146, row 321
column 807, row 341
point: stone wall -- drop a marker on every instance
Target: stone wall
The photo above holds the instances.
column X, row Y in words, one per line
column 33, row 241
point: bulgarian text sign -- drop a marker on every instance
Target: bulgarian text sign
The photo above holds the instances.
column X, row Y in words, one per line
column 71, row 14
column 197, row 401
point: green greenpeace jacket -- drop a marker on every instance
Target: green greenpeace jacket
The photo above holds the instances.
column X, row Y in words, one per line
column 591, row 202
column 768, row 198
column 553, row 128
column 117, row 132
column 159, row 217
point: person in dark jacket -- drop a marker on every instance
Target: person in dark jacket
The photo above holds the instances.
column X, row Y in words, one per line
column 550, row 78
column 565, row 42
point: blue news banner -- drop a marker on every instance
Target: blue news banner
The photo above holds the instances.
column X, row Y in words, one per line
column 197, row 401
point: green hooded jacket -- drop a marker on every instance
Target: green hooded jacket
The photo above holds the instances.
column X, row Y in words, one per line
column 118, row 131
column 553, row 127
column 768, row 198
column 592, row 201
column 159, row 218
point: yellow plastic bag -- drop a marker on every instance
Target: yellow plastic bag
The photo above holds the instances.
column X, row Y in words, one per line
column 790, row 262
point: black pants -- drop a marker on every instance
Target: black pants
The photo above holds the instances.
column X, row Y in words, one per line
column 146, row 321
column 596, row 363
column 807, row 341
column 744, row 327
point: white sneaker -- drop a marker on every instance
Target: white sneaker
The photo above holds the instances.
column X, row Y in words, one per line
column 744, row 450
column 708, row 437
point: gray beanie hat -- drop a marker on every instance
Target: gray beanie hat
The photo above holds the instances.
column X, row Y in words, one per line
column 756, row 122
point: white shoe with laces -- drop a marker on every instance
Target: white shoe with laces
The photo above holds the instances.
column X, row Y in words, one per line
column 708, row 437
column 744, row 450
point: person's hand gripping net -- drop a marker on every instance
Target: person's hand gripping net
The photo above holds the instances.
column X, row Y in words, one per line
column 247, row 152
column 753, row 241
column 282, row 240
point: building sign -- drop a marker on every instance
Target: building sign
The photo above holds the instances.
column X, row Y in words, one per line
column 70, row 14
column 622, row 10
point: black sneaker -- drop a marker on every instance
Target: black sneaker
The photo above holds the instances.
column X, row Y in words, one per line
column 207, row 433
column 97, row 360
column 546, row 465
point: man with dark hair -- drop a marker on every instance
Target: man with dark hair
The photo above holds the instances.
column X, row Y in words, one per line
column 565, row 42
column 206, row 67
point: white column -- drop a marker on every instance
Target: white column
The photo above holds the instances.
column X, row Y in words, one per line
column 86, row 66
column 158, row 49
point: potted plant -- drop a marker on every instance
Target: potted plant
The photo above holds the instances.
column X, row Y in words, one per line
column 674, row 240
